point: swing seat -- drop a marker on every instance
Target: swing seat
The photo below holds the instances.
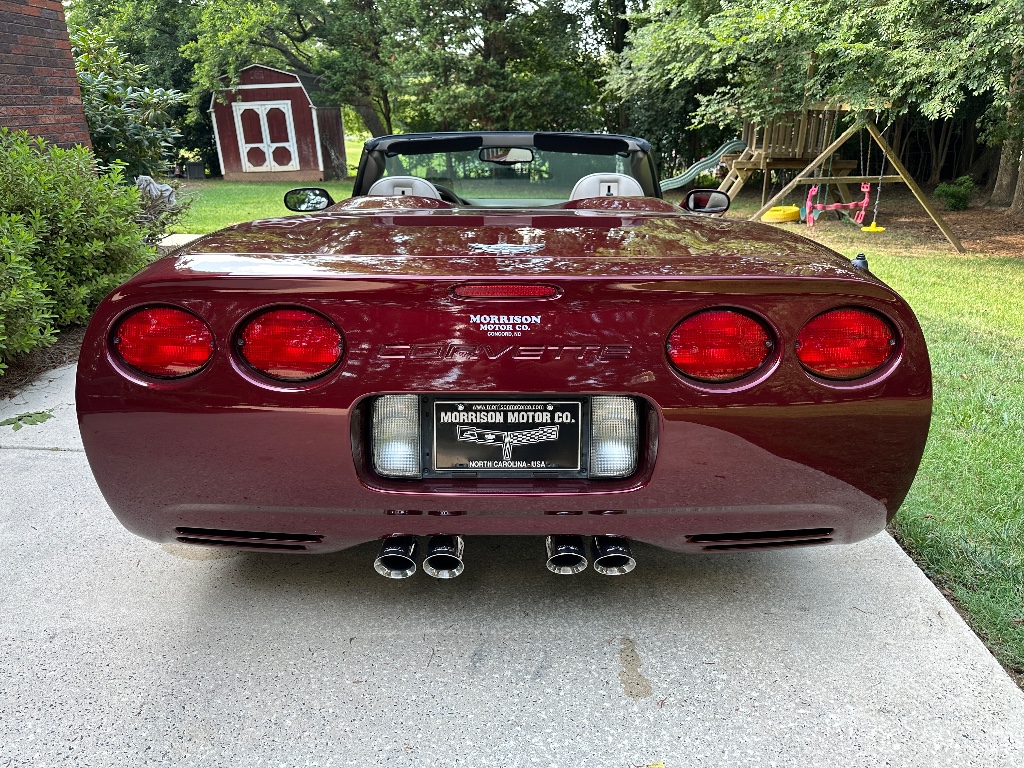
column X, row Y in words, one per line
column 860, row 206
column 781, row 213
column 872, row 227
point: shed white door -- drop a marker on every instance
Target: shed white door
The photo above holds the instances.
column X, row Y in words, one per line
column 266, row 135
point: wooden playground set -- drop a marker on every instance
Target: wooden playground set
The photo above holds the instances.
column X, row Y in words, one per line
column 806, row 142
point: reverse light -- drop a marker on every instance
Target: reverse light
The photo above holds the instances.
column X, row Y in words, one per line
column 506, row 291
column 845, row 344
column 719, row 345
column 164, row 342
column 396, row 436
column 291, row 344
column 613, row 436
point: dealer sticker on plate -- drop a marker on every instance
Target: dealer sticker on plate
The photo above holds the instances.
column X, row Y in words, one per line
column 507, row 435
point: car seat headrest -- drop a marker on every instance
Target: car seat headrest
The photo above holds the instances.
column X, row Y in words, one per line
column 606, row 185
column 397, row 186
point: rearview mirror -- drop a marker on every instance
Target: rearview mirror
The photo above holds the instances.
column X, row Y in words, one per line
column 306, row 199
column 506, row 155
column 706, row 201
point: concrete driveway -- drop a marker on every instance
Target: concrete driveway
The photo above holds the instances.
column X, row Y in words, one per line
column 115, row 651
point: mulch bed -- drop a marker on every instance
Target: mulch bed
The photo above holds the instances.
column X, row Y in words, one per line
column 26, row 368
column 989, row 231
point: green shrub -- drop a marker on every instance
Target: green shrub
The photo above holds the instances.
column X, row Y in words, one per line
column 957, row 196
column 24, row 308
column 130, row 124
column 85, row 241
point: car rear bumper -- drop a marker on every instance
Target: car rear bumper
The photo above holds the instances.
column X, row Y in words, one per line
column 789, row 476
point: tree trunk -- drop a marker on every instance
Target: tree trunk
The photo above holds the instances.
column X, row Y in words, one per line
column 620, row 25
column 1009, row 169
column 939, row 147
column 1017, row 206
column 365, row 109
column 983, row 168
column 1007, row 175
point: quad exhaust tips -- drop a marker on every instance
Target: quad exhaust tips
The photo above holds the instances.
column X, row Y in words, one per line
column 443, row 559
column 566, row 554
column 397, row 557
column 611, row 555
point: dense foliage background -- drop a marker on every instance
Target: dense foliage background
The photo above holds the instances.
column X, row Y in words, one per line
column 684, row 73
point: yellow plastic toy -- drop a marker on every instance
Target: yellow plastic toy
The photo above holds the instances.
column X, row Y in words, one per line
column 873, row 227
column 781, row 213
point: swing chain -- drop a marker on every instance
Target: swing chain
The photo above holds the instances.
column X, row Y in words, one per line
column 822, row 197
column 881, row 173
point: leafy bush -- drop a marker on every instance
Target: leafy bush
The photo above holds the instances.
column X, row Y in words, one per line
column 129, row 124
column 957, row 196
column 84, row 241
column 24, row 307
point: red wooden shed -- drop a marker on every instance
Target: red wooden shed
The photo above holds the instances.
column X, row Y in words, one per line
column 268, row 127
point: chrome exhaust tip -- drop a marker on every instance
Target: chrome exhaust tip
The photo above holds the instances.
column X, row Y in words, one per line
column 444, row 557
column 396, row 559
column 565, row 554
column 611, row 555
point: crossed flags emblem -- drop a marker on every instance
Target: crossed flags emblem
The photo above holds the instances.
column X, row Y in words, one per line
column 507, row 439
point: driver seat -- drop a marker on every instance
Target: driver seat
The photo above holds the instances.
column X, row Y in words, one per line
column 397, row 186
column 606, row 185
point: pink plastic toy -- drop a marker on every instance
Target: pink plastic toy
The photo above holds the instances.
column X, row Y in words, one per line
column 860, row 206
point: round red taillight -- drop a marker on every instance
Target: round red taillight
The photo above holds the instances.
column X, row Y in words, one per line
column 291, row 344
column 845, row 344
column 163, row 341
column 719, row 345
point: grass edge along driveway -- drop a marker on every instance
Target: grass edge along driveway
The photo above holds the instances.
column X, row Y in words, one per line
column 963, row 519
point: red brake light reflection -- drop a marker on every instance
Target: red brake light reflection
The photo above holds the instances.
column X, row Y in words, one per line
column 719, row 345
column 163, row 341
column 506, row 291
column 291, row 344
column 845, row 344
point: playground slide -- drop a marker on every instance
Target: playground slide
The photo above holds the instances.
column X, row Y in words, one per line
column 704, row 165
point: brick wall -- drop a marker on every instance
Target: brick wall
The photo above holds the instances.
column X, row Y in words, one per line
column 38, row 86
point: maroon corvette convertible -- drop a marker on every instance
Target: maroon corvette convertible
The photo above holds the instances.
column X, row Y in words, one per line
column 504, row 333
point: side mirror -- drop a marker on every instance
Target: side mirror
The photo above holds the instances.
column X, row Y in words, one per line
column 706, row 201
column 306, row 199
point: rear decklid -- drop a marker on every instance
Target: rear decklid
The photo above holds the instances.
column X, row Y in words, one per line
column 539, row 243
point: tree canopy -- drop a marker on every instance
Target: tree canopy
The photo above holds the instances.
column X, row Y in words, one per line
column 465, row 64
column 681, row 72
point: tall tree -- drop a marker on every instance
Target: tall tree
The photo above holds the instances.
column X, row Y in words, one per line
column 495, row 64
column 344, row 43
column 151, row 33
column 772, row 56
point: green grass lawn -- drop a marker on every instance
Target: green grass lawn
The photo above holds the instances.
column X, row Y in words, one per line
column 217, row 203
column 964, row 518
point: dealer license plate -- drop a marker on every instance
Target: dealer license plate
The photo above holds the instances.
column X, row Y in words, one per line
column 507, row 436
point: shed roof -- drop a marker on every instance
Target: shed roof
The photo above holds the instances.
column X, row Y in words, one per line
column 306, row 80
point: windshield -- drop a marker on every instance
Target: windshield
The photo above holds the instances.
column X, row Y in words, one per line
column 507, row 176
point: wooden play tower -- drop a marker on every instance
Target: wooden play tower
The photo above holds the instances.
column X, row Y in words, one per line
column 806, row 141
